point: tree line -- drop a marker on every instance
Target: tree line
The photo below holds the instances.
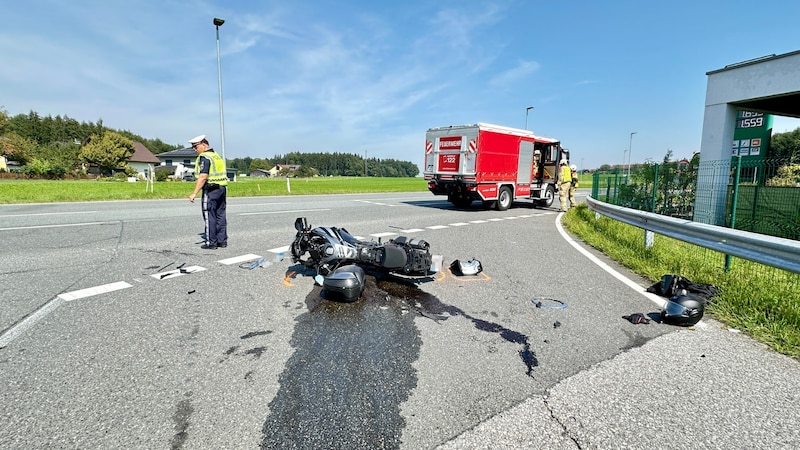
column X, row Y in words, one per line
column 56, row 146
column 329, row 164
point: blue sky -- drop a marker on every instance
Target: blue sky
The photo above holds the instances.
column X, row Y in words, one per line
column 370, row 77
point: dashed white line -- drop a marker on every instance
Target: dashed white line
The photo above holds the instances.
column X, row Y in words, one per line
column 88, row 292
column 458, row 224
column 413, row 230
column 239, row 259
column 437, row 227
column 477, row 221
column 279, row 250
column 388, row 233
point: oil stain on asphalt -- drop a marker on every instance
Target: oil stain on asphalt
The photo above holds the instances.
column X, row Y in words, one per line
column 353, row 367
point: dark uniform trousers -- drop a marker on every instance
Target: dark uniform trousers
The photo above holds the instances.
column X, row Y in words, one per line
column 214, row 203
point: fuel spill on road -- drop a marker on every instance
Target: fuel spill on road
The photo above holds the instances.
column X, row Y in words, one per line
column 352, row 367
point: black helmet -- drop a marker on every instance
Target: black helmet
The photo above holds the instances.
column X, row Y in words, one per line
column 683, row 309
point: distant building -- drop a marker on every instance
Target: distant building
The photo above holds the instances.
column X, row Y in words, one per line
column 261, row 173
column 142, row 158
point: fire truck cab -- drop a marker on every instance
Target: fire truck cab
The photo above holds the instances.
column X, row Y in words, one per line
column 492, row 164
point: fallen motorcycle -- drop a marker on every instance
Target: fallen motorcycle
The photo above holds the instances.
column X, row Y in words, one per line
column 337, row 256
column 326, row 248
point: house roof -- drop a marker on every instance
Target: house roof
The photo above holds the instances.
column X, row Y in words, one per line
column 142, row 154
column 179, row 153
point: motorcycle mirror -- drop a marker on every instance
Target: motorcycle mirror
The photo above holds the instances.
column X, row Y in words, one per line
column 300, row 224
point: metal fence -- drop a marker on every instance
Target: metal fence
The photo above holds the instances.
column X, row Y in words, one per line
column 762, row 196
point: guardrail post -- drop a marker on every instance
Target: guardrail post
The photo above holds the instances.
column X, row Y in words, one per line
column 734, row 202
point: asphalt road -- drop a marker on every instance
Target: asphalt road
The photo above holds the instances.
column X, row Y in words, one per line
column 106, row 344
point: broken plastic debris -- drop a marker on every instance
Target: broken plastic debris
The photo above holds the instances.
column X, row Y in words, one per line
column 262, row 262
column 191, row 292
column 471, row 267
column 437, row 261
column 551, row 303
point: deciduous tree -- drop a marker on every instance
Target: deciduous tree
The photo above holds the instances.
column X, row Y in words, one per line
column 109, row 152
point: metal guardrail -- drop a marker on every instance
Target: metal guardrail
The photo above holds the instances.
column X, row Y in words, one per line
column 772, row 251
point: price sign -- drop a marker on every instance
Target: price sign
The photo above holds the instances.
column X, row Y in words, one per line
column 752, row 134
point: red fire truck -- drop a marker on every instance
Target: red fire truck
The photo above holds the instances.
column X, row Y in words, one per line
column 493, row 164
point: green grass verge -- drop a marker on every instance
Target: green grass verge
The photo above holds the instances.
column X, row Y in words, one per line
column 48, row 191
column 758, row 300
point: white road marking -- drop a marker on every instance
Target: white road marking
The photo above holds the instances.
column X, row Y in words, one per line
column 239, row 259
column 15, row 331
column 437, row 227
column 279, row 250
column 413, row 230
column 660, row 301
column 496, row 219
column 477, row 221
column 458, row 224
column 49, row 214
column 88, row 292
column 33, row 227
column 388, row 233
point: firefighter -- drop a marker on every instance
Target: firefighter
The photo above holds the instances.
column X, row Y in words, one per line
column 573, row 169
column 564, row 184
column 212, row 178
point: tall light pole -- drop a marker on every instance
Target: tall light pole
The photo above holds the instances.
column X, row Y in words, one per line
column 218, row 23
column 526, row 115
column 630, row 144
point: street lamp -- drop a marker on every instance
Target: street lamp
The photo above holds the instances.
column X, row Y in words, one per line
column 218, row 23
column 630, row 144
column 624, row 154
column 526, row 115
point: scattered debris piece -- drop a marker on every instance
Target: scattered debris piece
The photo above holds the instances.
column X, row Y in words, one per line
column 162, row 268
column 672, row 285
column 191, row 292
column 548, row 303
column 471, row 267
column 556, row 324
column 637, row 318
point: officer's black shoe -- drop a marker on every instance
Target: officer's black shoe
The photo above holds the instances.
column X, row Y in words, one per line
column 222, row 245
column 208, row 247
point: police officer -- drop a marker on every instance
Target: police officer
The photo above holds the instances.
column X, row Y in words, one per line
column 212, row 179
column 564, row 184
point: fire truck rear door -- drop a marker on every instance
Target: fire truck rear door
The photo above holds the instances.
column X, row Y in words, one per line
column 525, row 161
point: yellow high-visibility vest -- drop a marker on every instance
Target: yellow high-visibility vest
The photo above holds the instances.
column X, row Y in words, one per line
column 216, row 171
